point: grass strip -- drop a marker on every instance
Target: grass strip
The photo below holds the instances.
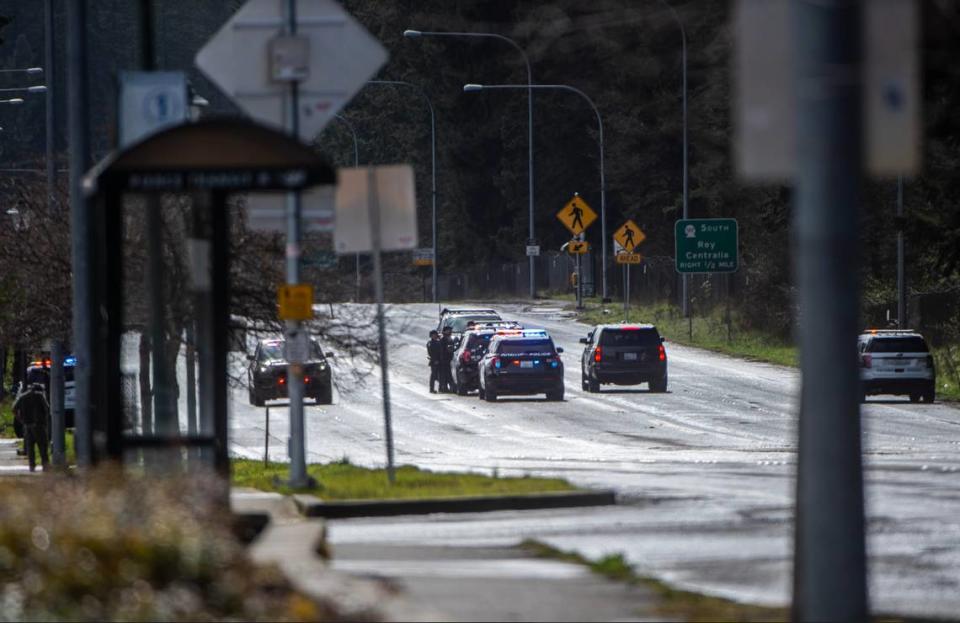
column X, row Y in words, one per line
column 671, row 603
column 343, row 481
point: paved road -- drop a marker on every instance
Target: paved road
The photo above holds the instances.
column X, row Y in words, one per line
column 704, row 472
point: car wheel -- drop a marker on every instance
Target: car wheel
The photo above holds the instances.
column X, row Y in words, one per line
column 256, row 399
column 480, row 393
column 326, row 396
column 555, row 395
column 491, row 394
column 914, row 397
column 584, row 385
column 461, row 388
column 929, row 396
column 660, row 385
column 593, row 385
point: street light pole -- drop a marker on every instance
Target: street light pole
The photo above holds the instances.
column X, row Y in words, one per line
column 433, row 166
column 470, row 88
column 901, row 282
column 415, row 34
column 356, row 164
column 686, row 213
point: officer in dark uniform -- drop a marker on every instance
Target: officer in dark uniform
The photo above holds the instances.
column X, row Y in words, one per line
column 435, row 356
column 33, row 411
column 447, row 356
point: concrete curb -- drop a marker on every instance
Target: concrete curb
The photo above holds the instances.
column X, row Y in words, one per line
column 312, row 506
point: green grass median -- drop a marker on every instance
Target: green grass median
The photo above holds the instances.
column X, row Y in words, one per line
column 343, row 481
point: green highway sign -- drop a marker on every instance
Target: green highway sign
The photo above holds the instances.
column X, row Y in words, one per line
column 706, row 245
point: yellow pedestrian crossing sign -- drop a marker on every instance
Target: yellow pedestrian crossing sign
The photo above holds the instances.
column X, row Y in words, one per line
column 629, row 236
column 576, row 215
column 578, row 247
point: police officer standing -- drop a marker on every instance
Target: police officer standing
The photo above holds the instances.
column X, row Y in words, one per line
column 435, row 356
column 33, row 411
column 447, row 356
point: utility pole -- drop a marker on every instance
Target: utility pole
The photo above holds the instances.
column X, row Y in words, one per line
column 830, row 552
column 81, row 230
column 57, row 416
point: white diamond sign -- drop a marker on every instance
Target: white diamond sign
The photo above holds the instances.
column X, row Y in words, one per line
column 342, row 57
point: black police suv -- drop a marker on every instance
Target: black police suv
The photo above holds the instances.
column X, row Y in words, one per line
column 267, row 374
column 457, row 319
column 623, row 354
column 521, row 364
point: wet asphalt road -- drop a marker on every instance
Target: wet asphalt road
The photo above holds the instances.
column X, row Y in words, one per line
column 704, row 472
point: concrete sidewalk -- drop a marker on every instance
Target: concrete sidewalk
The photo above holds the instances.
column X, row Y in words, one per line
column 429, row 583
column 11, row 464
column 295, row 544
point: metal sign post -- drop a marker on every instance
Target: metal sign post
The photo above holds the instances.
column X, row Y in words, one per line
column 374, row 207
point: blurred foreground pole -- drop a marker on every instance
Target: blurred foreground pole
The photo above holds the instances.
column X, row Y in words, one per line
column 57, row 416
column 80, row 227
column 830, row 558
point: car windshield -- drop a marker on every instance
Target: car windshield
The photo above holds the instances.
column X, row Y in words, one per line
column 914, row 344
column 459, row 323
column 271, row 350
column 527, row 347
column 629, row 337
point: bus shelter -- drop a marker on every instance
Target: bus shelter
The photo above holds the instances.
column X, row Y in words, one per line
column 208, row 160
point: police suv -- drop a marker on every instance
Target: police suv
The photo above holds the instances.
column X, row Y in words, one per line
column 896, row 362
column 522, row 363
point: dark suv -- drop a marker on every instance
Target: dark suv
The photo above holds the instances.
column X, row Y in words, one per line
column 623, row 354
column 267, row 374
column 523, row 364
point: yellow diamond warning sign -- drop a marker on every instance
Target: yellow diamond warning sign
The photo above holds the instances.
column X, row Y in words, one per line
column 576, row 215
column 629, row 236
column 295, row 302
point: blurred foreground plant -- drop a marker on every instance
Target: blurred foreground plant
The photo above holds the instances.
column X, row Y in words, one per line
column 113, row 546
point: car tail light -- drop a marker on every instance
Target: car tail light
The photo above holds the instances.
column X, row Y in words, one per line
column 516, row 362
column 281, row 381
column 306, row 380
column 866, row 361
column 663, row 353
column 465, row 357
column 597, row 354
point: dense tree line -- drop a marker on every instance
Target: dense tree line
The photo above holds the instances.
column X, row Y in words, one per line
column 625, row 54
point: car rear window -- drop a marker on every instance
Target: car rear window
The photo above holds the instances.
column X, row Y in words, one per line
column 478, row 341
column 913, row 344
column 526, row 347
column 459, row 323
column 629, row 337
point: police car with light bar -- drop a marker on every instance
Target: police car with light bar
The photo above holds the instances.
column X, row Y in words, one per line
column 471, row 347
column 521, row 363
column 896, row 362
